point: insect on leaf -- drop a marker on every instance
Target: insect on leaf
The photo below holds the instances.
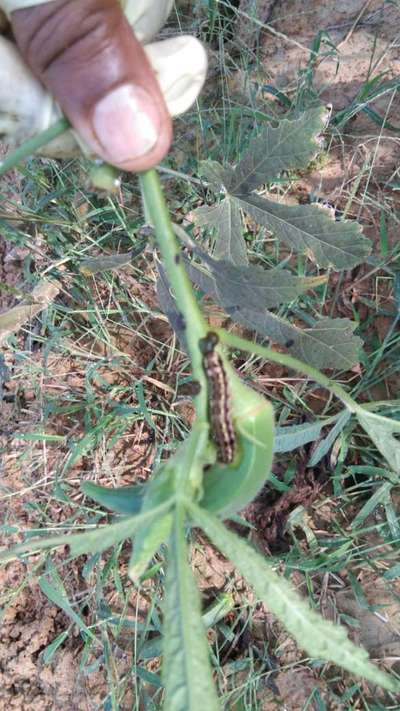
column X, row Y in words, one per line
column 311, row 230
column 291, row 144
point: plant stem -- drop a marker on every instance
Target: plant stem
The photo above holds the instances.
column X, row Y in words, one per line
column 195, row 325
column 290, row 362
column 32, row 145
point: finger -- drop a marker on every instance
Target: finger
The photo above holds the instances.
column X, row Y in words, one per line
column 87, row 56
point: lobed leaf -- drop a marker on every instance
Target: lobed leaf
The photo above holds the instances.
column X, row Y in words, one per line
column 330, row 343
column 257, row 288
column 291, row 144
column 320, row 639
column 311, row 230
column 225, row 218
column 219, row 176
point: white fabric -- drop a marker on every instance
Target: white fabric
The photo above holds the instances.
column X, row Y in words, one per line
column 147, row 16
column 179, row 63
column 10, row 5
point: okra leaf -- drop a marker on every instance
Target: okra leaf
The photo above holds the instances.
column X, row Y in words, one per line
column 385, row 433
column 330, row 343
column 186, row 670
column 257, row 288
column 224, row 217
column 318, row 637
column 251, row 286
column 146, row 544
column 291, row 144
column 218, row 176
column 311, row 230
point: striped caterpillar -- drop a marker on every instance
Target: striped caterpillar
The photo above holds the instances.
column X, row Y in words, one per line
column 220, row 412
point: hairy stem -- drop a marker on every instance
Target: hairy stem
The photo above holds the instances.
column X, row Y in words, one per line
column 195, row 325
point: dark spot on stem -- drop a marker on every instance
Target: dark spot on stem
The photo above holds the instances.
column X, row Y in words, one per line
column 177, row 258
column 180, row 323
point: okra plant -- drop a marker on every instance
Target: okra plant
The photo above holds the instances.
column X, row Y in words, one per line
column 226, row 458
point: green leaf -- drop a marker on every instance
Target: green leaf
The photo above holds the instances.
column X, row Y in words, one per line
column 291, row 437
column 146, row 544
column 311, row 230
column 257, row 288
column 186, row 670
column 219, row 176
column 56, row 593
column 94, row 265
column 385, row 434
column 91, row 541
column 379, row 497
column 330, row 343
column 291, row 144
column 229, row 488
column 122, row 500
column 225, row 218
column 50, row 650
column 325, row 445
column 318, row 637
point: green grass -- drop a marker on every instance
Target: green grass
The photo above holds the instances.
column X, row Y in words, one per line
column 100, row 368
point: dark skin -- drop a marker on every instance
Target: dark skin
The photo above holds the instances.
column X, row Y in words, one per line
column 84, row 51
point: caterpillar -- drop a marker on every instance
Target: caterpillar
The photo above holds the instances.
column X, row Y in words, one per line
column 220, row 412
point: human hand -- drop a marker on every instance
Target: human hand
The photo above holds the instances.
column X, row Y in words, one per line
column 117, row 94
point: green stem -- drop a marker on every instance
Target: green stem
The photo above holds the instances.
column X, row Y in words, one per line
column 290, row 362
column 29, row 147
column 195, row 325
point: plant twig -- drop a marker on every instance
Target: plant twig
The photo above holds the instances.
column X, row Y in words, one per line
column 286, row 360
column 32, row 145
column 195, row 325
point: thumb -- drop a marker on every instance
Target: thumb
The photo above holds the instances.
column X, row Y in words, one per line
column 86, row 54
